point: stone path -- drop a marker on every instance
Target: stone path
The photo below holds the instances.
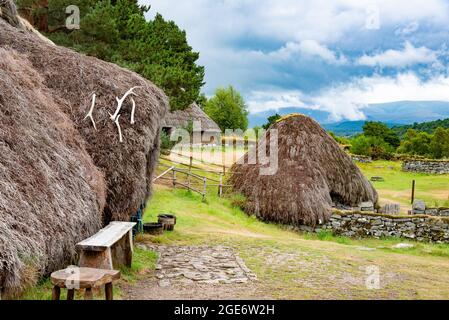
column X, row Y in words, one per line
column 199, row 264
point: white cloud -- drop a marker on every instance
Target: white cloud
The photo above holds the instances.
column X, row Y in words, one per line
column 409, row 56
column 274, row 100
column 347, row 101
column 309, row 48
column 232, row 36
column 408, row 29
column 292, row 20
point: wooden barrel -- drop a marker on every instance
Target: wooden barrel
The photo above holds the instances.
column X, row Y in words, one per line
column 153, row 228
column 168, row 221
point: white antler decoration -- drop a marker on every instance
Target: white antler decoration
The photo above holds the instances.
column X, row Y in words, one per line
column 120, row 102
column 119, row 129
column 90, row 113
column 133, row 111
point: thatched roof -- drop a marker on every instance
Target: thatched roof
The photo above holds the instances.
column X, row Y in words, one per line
column 57, row 171
column 312, row 173
column 181, row 118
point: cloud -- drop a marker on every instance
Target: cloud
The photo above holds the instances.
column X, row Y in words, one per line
column 347, row 100
column 307, row 48
column 408, row 29
column 274, row 100
column 282, row 44
column 409, row 56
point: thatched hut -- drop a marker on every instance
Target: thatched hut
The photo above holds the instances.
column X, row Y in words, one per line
column 313, row 173
column 61, row 179
column 180, row 119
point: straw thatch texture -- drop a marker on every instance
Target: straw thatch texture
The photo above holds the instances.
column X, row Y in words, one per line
column 312, row 173
column 51, row 193
column 72, row 78
column 60, row 179
column 181, row 118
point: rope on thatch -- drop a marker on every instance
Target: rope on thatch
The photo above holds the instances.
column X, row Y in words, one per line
column 313, row 172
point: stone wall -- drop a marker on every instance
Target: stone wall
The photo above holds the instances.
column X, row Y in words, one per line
column 426, row 166
column 438, row 212
column 361, row 159
column 420, row 228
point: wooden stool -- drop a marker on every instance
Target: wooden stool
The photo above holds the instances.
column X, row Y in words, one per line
column 83, row 278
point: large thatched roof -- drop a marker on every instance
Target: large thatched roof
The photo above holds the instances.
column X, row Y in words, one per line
column 58, row 172
column 312, row 173
column 181, row 118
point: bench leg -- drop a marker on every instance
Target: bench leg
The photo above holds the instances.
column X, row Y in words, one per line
column 108, row 288
column 88, row 295
column 56, row 293
column 70, row 294
column 96, row 259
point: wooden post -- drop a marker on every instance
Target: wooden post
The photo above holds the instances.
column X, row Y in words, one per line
column 220, row 186
column 413, row 190
column 174, row 178
column 190, row 171
column 223, row 156
column 88, row 294
column 204, row 188
column 56, row 293
column 70, row 294
column 109, row 291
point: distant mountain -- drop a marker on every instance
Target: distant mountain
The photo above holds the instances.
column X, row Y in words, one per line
column 259, row 119
column 408, row 112
column 393, row 114
column 350, row 128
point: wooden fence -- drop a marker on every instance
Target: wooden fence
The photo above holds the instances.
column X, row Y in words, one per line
column 199, row 183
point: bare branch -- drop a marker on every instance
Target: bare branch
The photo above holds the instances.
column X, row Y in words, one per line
column 120, row 102
column 133, row 111
column 90, row 113
column 119, row 129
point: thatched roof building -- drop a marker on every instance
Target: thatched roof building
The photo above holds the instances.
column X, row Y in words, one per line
column 180, row 119
column 62, row 179
column 313, row 172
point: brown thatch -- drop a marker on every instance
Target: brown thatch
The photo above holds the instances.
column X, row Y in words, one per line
column 57, row 172
column 181, row 118
column 313, row 172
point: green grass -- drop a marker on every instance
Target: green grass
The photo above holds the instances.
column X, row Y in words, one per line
column 219, row 219
column 319, row 261
column 144, row 261
column 433, row 189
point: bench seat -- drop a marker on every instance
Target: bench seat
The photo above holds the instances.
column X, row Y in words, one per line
column 110, row 248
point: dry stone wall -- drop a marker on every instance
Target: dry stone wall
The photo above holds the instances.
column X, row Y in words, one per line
column 358, row 224
column 426, row 166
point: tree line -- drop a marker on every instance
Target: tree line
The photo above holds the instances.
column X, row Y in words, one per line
column 381, row 142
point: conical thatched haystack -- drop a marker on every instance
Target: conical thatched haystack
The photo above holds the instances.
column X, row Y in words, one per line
column 60, row 179
column 312, row 173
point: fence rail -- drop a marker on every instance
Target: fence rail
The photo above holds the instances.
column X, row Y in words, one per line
column 201, row 181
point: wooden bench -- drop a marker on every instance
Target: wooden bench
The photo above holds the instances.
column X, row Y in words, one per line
column 75, row 278
column 110, row 248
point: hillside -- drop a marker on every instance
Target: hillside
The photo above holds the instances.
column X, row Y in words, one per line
column 428, row 127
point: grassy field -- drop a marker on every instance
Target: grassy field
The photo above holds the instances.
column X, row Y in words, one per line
column 291, row 265
column 433, row 189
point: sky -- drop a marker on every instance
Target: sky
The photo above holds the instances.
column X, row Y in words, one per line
column 337, row 56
